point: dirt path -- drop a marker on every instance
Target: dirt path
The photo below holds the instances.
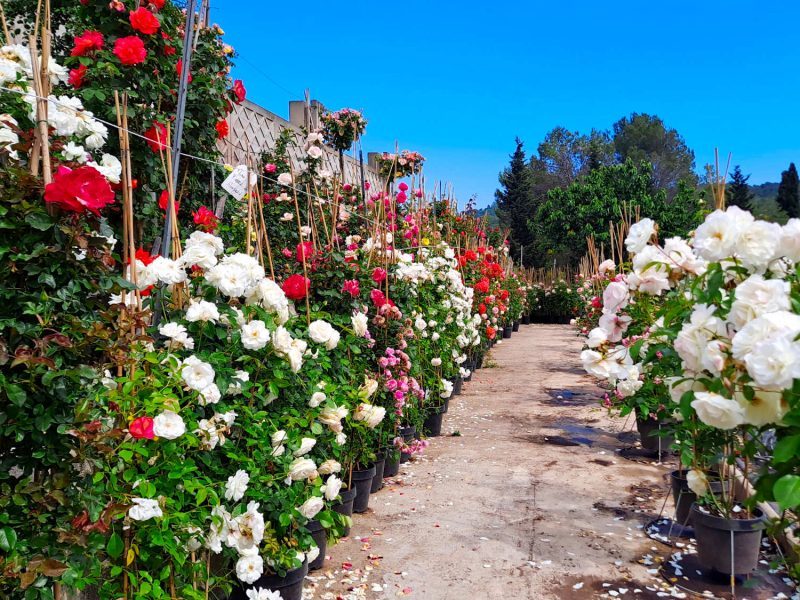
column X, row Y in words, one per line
column 531, row 501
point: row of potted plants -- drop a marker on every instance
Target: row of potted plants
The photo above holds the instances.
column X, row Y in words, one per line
column 697, row 337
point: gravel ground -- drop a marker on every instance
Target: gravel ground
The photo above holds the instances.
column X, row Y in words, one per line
column 531, row 501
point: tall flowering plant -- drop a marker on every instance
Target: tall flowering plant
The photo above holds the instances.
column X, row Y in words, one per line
column 396, row 166
column 343, row 127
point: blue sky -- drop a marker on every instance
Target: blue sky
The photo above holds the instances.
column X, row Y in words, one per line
column 458, row 81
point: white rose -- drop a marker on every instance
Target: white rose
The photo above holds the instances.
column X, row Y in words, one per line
column 371, row 415
column 306, row 444
column 323, row 333
column 698, row 482
column 278, row 437
column 249, row 568
column 302, row 468
column 255, row 335
column 605, row 266
column 360, row 323
column 332, row 487
column 317, row 398
column 210, row 395
column 169, row 425
column 311, row 507
column 144, row 509
column 774, row 363
column 285, row 179
column 615, row 297
column 202, row 311
column 756, row 296
column 329, row 466
column 639, row 234
column 436, row 362
column 597, row 337
column 237, row 486
column 315, row 152
column 716, row 411
column 332, row 417
column 264, row 594
column 168, row 271
column 197, row 374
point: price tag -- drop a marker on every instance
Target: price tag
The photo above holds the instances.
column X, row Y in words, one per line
column 236, row 183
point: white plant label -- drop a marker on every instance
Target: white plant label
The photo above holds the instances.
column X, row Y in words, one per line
column 236, row 183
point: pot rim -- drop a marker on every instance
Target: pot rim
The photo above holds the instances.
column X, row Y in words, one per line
column 712, row 521
column 363, row 474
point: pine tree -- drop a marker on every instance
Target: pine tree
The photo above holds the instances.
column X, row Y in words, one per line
column 515, row 200
column 737, row 192
column 789, row 192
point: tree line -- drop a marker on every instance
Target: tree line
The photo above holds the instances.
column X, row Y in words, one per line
column 575, row 184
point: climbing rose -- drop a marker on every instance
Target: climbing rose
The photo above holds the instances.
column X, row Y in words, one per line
column 143, row 21
column 296, row 287
column 482, row 286
column 144, row 256
column 239, row 91
column 86, row 43
column 130, row 50
column 378, row 275
column 205, row 219
column 142, row 428
column 77, row 76
column 304, row 251
column 403, row 186
column 222, row 129
column 179, row 70
column 163, row 201
column 79, row 190
column 159, row 4
column 351, row 287
column 156, row 137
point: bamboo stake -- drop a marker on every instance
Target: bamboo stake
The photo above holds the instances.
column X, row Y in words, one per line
column 6, row 32
column 300, row 235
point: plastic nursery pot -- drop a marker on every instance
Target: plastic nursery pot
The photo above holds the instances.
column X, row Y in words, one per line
column 649, row 429
column 727, row 546
column 479, row 362
column 362, row 482
column 321, row 538
column 392, row 465
column 684, row 498
column 345, row 506
column 507, row 332
column 290, row 586
column 433, row 422
column 407, row 433
column 526, row 319
column 457, row 385
column 515, row 326
column 377, row 481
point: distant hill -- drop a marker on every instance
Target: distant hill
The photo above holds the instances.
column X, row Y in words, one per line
column 491, row 211
column 764, row 204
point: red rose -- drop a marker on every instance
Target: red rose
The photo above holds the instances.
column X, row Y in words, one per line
column 159, row 4
column 156, row 137
column 503, row 294
column 239, row 91
column 142, row 428
column 222, row 129
column 296, row 287
column 378, row 275
column 403, row 186
column 169, row 50
column 482, row 286
column 491, row 332
column 130, row 50
column 205, row 219
column 144, row 256
column 163, row 202
column 304, row 252
column 86, row 43
column 143, row 21
column 351, row 287
column 179, row 69
column 378, row 299
column 482, row 308
column 471, row 255
column 79, row 190
column 77, row 76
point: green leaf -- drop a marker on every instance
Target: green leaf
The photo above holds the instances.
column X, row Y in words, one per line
column 787, row 491
column 786, row 449
column 16, row 394
column 316, row 428
column 8, row 539
column 115, row 546
column 40, row 221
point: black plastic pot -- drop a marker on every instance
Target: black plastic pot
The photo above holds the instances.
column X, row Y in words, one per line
column 392, row 465
column 684, row 498
column 507, row 332
column 479, row 362
column 457, row 385
column 408, row 433
column 433, row 422
column 727, row 546
column 377, row 481
column 320, row 536
column 526, row 319
column 289, row 586
column 649, row 432
column 515, row 326
column 345, row 506
column 362, row 483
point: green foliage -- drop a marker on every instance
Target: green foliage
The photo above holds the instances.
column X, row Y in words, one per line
column 789, row 192
column 515, row 200
column 737, row 192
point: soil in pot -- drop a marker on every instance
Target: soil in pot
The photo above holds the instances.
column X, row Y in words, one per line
column 290, row 586
column 433, row 422
column 377, row 481
column 515, row 326
column 728, row 546
column 649, row 432
column 392, row 465
column 507, row 332
column 320, row 536
column 345, row 506
column 362, row 483
column 684, row 498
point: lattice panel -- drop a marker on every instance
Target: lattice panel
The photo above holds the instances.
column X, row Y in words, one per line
column 254, row 129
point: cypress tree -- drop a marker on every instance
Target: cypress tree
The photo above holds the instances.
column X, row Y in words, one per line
column 515, row 200
column 737, row 192
column 789, row 192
